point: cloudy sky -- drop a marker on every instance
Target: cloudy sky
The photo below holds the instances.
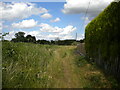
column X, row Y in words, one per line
column 49, row 20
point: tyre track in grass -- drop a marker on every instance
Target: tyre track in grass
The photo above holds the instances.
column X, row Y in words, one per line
column 62, row 69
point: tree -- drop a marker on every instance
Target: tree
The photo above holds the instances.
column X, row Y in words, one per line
column 19, row 34
column 43, row 42
column 14, row 40
column 57, row 40
column 82, row 40
column 2, row 35
column 52, row 42
column 30, row 38
column 20, row 37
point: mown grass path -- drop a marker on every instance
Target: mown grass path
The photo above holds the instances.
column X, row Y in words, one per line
column 63, row 68
column 47, row 66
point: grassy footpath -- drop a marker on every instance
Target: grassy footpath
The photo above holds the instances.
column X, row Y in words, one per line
column 28, row 65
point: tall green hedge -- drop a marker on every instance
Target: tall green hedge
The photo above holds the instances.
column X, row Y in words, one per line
column 102, row 39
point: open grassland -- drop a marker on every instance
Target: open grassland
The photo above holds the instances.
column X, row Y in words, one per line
column 27, row 65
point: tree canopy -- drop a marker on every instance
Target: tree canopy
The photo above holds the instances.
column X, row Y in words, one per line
column 20, row 37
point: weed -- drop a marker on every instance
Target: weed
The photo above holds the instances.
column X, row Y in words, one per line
column 80, row 61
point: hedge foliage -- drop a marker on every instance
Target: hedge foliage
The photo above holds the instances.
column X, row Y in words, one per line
column 102, row 39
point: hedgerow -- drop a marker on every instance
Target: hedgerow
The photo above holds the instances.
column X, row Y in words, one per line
column 102, row 39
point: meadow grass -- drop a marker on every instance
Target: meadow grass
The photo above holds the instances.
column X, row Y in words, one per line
column 24, row 64
column 27, row 65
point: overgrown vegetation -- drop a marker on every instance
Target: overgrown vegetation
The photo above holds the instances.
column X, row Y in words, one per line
column 94, row 77
column 102, row 40
column 27, row 65
column 24, row 64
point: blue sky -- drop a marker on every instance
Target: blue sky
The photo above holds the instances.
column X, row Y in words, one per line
column 49, row 20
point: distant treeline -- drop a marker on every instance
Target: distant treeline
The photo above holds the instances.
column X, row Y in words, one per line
column 102, row 39
column 19, row 37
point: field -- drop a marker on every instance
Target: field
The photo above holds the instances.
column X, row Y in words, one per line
column 27, row 65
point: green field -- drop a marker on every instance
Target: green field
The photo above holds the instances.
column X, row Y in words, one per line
column 27, row 65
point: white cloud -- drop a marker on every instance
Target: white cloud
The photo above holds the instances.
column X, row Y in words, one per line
column 52, row 36
column 10, row 35
column 25, row 24
column 116, row 0
column 39, row 35
column 11, row 11
column 46, row 31
column 34, row 33
column 1, row 27
column 61, row 37
column 67, row 37
column 46, row 16
column 56, row 20
column 86, row 20
column 47, row 28
column 80, row 6
column 68, row 29
column 80, row 36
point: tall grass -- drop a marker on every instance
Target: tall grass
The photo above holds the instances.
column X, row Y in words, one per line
column 24, row 64
column 27, row 65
